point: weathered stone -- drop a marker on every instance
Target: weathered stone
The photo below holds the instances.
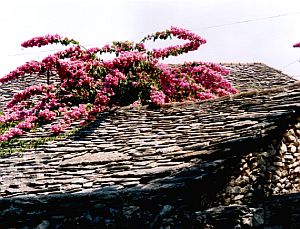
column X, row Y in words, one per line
column 238, row 197
column 278, row 164
column 283, row 148
column 293, row 165
column 253, row 178
column 297, row 169
column 296, row 154
column 95, row 158
column 284, row 172
column 233, row 190
column 292, row 148
column 254, row 165
column 169, row 149
column 269, row 153
column 288, row 157
column 288, row 185
column 290, row 137
column 43, row 225
column 278, row 173
column 279, row 185
column 66, row 149
column 276, row 178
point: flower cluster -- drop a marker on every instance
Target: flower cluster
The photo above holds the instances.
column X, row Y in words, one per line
column 42, row 41
column 194, row 44
column 25, row 94
column 19, row 129
column 47, row 115
column 11, row 133
column 28, row 123
column 157, row 97
column 56, row 128
column 89, row 85
column 31, row 67
column 297, row 45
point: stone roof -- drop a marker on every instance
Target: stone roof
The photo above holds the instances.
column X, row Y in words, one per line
column 244, row 76
column 251, row 76
column 147, row 149
column 152, row 166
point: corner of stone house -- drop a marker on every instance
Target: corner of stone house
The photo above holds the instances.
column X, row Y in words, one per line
column 272, row 170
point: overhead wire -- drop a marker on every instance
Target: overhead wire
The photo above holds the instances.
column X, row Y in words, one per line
column 205, row 27
column 289, row 64
column 29, row 53
column 250, row 20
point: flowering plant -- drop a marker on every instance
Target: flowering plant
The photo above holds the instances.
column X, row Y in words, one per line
column 89, row 85
column 297, row 45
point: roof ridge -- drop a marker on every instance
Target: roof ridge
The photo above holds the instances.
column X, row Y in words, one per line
column 227, row 97
column 241, row 94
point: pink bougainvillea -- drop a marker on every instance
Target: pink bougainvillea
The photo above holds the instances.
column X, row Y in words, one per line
column 89, row 85
column 157, row 97
column 42, row 41
column 297, row 45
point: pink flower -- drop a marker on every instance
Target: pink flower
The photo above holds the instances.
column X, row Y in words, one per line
column 111, row 80
column 12, row 132
column 73, row 52
column 83, row 123
column 3, row 138
column 47, row 115
column 140, row 47
column 42, row 41
column 157, row 97
column 62, row 109
column 221, row 92
column 101, row 99
column 195, row 42
column 28, row 68
column 137, row 103
column 94, row 50
column 204, row 95
column 49, row 61
column 16, row 131
column 297, row 45
column 27, row 93
column 56, row 128
column 25, row 125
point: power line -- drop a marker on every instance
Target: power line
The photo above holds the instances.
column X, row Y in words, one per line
column 28, row 53
column 289, row 64
column 44, row 51
column 250, row 20
column 205, row 27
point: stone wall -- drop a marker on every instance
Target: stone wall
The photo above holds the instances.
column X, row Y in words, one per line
column 273, row 170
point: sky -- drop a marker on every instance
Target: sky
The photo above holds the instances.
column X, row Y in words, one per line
column 236, row 31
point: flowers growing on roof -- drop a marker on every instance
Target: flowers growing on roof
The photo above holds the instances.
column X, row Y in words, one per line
column 89, row 85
